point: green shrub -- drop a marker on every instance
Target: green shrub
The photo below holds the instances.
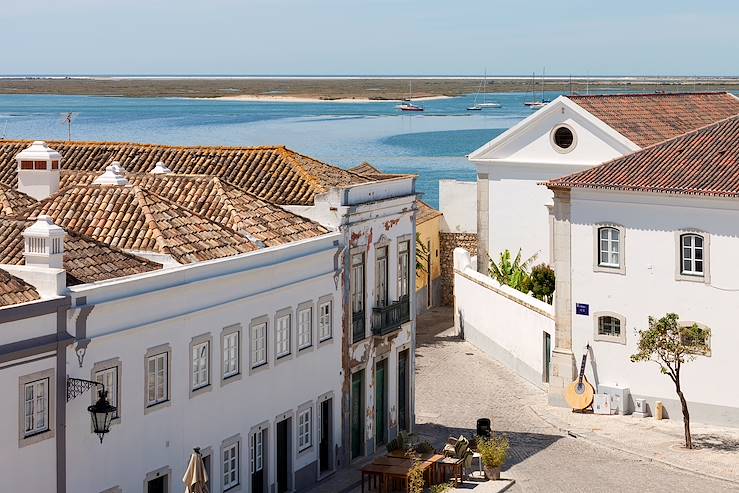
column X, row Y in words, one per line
column 441, row 488
column 424, row 447
column 541, row 283
column 493, row 450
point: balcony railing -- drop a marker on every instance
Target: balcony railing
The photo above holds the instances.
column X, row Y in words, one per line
column 358, row 332
column 386, row 319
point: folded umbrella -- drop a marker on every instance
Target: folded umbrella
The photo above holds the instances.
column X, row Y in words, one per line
column 196, row 478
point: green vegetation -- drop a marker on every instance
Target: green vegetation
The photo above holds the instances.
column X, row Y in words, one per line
column 671, row 345
column 513, row 273
column 493, row 450
column 541, row 283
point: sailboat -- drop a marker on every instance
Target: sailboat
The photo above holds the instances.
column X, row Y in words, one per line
column 535, row 105
column 483, row 86
column 408, row 105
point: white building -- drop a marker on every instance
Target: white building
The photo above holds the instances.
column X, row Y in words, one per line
column 570, row 134
column 242, row 344
column 652, row 233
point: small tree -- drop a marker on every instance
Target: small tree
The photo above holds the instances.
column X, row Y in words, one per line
column 671, row 346
column 513, row 273
column 541, row 283
column 422, row 255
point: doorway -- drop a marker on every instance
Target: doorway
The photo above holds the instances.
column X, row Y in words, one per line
column 325, row 458
column 547, row 357
column 284, row 463
column 157, row 485
column 357, row 414
column 403, row 357
column 258, row 466
column 380, row 403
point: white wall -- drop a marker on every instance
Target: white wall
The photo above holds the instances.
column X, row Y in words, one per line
column 172, row 308
column 458, row 203
column 31, row 467
column 505, row 323
column 649, row 287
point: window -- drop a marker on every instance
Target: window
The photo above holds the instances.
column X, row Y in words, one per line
column 696, row 335
column 357, row 292
column 230, row 466
column 36, row 407
column 563, row 138
column 305, row 327
column 304, row 429
column 200, row 365
column 257, row 452
column 404, row 268
column 692, row 258
column 282, row 336
column 157, row 377
column 324, row 320
column 110, row 380
column 609, row 247
column 258, row 344
column 610, row 327
column 231, row 354
column 381, row 296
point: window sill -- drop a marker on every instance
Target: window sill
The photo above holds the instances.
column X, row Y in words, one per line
column 699, row 278
column 35, row 438
column 614, row 339
column 200, row 390
column 305, row 350
column 305, row 450
column 283, row 358
column 230, row 379
column 233, row 488
column 259, row 368
column 326, row 341
column 609, row 269
column 155, row 407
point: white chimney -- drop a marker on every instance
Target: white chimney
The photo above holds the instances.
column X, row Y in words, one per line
column 43, row 244
column 38, row 170
column 111, row 176
column 160, row 169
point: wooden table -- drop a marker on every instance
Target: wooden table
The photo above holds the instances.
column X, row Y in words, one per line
column 397, row 468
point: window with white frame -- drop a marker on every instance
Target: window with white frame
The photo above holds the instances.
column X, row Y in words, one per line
column 609, row 250
column 36, row 407
column 404, row 268
column 381, row 291
column 230, row 466
column 157, row 379
column 282, row 336
column 200, row 365
column 357, row 283
column 304, row 429
column 691, row 254
column 109, row 378
column 305, row 327
column 257, row 452
column 609, row 326
column 231, row 354
column 258, row 344
column 324, row 321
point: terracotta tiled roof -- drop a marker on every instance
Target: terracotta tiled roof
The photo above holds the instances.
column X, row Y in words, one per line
column 425, row 212
column 703, row 162
column 646, row 119
column 276, row 174
column 14, row 290
column 366, row 169
column 85, row 259
column 12, row 201
column 218, row 201
column 133, row 218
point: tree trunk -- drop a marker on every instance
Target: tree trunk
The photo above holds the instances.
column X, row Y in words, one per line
column 686, row 419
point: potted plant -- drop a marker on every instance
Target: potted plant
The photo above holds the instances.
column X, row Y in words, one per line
column 493, row 452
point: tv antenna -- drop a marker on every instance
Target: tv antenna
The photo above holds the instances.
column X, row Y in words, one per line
column 68, row 118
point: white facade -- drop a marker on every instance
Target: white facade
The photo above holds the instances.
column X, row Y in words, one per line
column 169, row 312
column 458, row 203
column 512, row 165
column 650, row 226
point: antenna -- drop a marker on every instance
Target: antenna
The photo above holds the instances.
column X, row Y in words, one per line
column 5, row 128
column 68, row 118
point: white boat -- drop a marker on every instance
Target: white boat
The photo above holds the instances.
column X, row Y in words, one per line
column 483, row 87
column 408, row 105
column 535, row 105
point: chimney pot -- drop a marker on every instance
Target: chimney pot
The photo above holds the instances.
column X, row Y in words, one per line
column 38, row 170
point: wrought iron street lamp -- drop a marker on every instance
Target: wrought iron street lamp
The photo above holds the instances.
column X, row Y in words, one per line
column 102, row 412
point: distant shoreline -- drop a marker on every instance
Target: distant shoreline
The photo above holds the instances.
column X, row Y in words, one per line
column 347, row 89
column 296, row 99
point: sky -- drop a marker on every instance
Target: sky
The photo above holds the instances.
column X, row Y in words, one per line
column 372, row 37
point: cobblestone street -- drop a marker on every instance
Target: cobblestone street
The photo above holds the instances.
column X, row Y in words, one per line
column 456, row 384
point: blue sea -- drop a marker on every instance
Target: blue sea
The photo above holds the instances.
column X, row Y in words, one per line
column 432, row 144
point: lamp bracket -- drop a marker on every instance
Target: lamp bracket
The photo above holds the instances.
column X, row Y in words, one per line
column 78, row 386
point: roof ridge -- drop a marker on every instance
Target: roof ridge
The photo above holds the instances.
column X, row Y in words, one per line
column 644, row 94
column 338, row 168
column 142, row 144
column 140, row 196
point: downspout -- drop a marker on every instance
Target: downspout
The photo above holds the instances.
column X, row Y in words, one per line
column 61, row 395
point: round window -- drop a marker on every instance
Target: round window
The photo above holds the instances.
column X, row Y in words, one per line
column 563, row 137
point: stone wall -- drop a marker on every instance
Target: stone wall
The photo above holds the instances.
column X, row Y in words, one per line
column 450, row 241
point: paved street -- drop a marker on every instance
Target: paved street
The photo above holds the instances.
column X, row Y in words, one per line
column 457, row 383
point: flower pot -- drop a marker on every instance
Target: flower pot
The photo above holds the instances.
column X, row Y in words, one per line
column 492, row 473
